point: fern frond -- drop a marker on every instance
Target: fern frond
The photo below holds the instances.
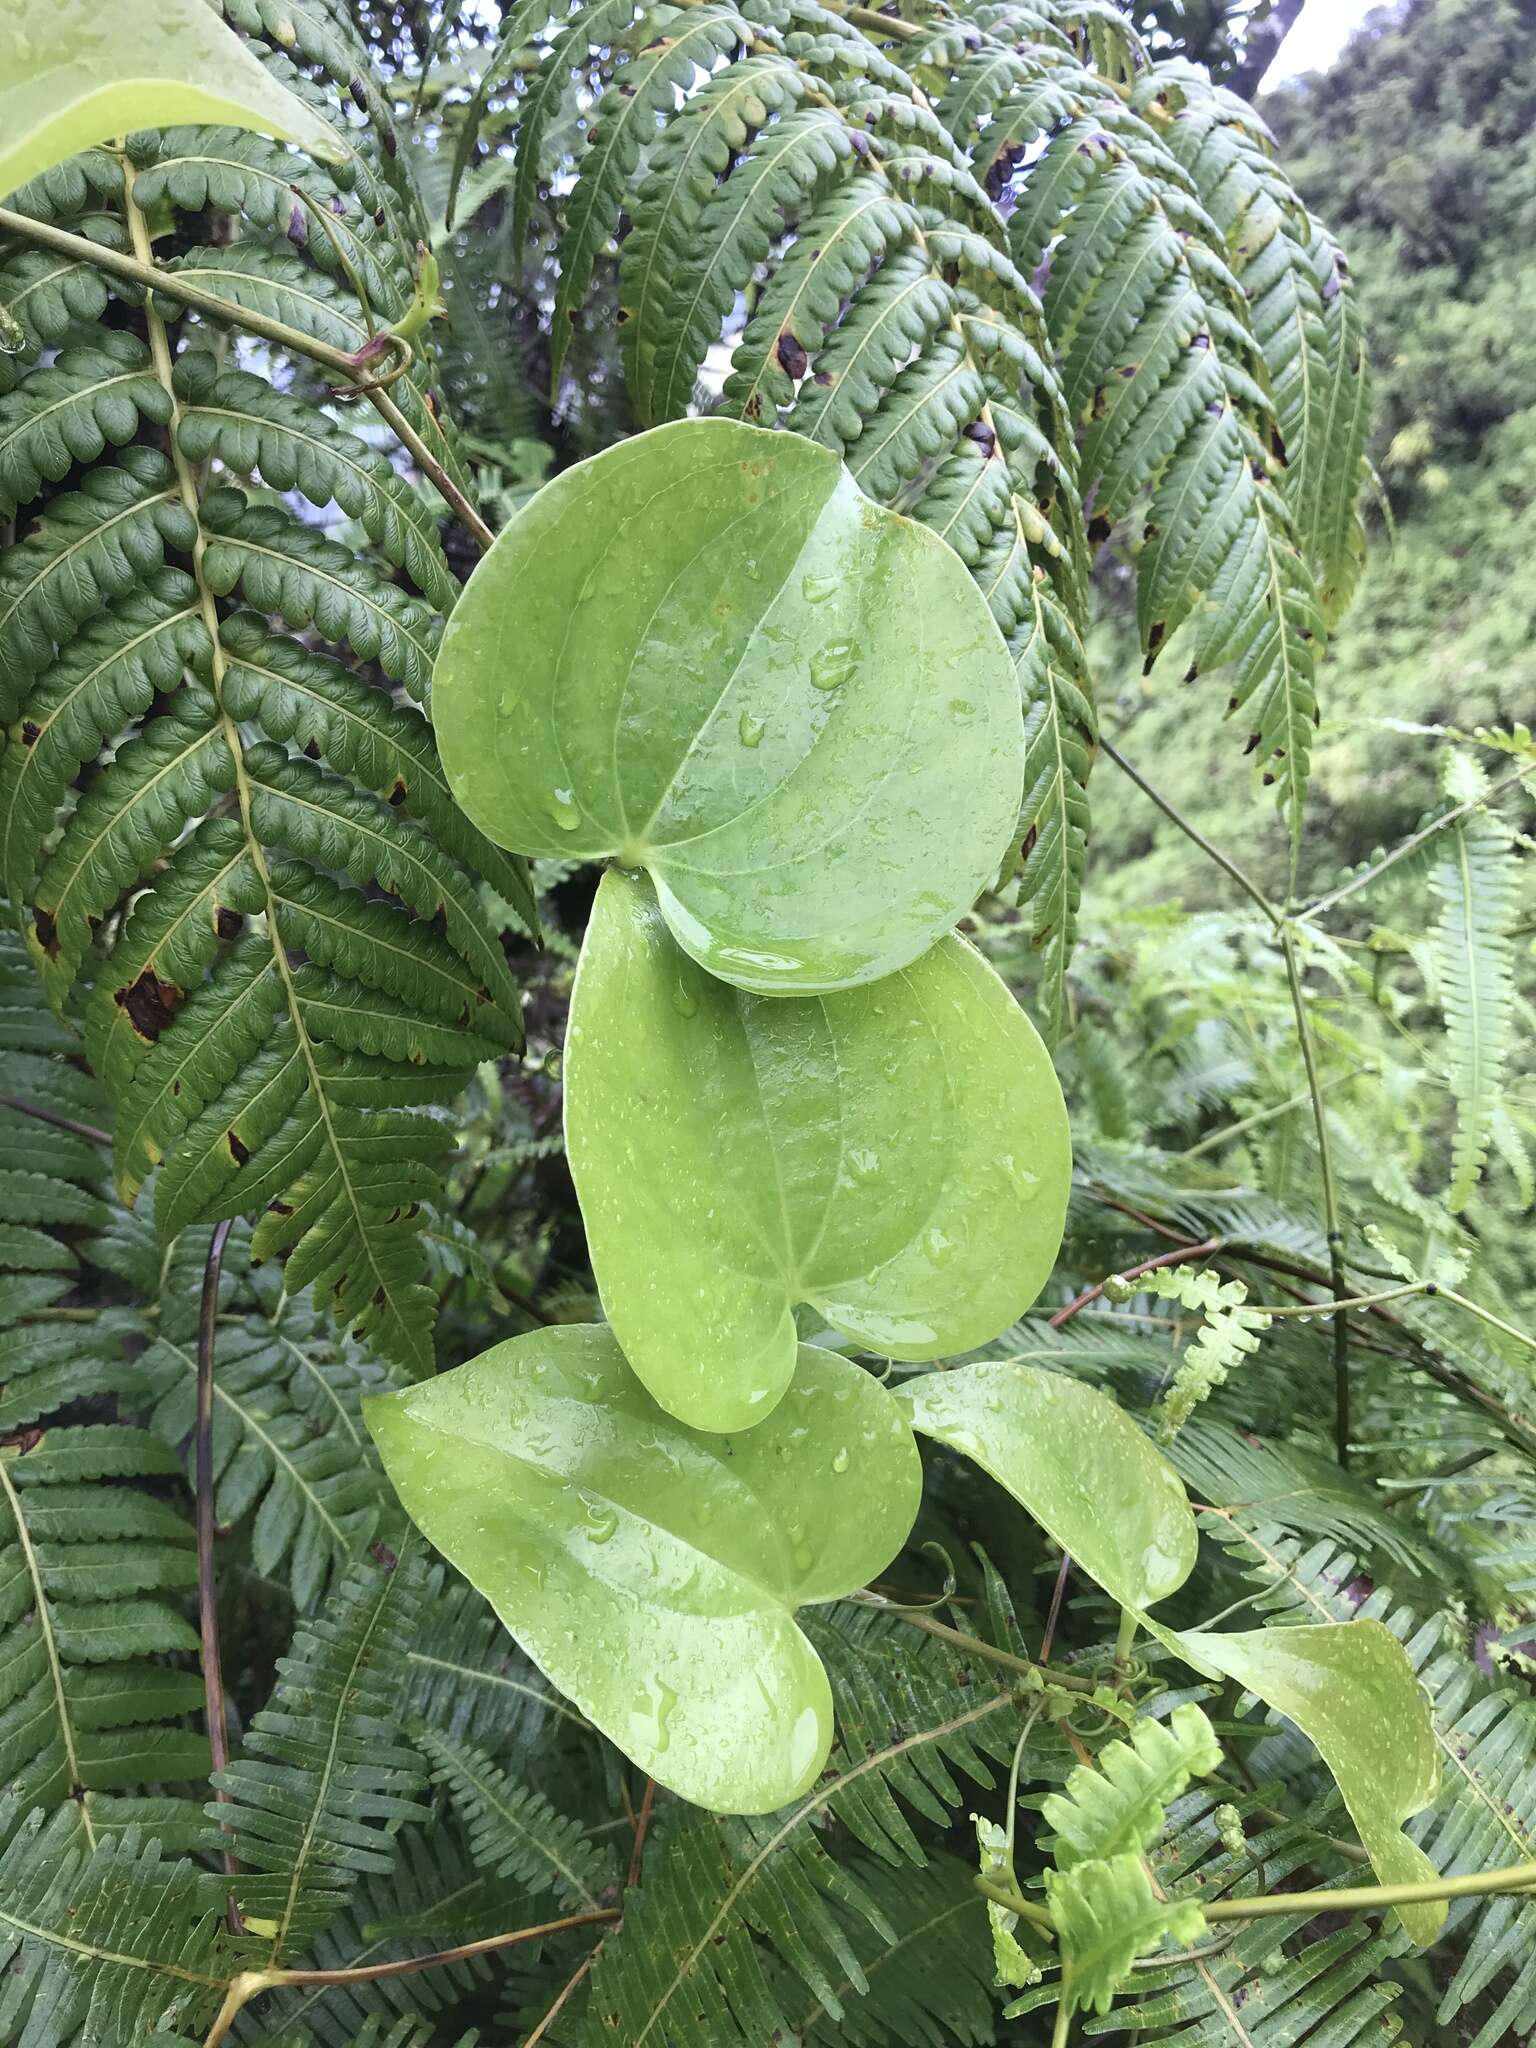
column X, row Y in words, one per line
column 87, row 399
column 1116, row 1806
column 1475, row 881
column 325, row 1775
column 514, row 1831
column 468, row 1679
column 1229, row 1332
column 724, row 1902
column 94, row 1687
column 322, row 910
column 111, row 1943
column 290, row 1453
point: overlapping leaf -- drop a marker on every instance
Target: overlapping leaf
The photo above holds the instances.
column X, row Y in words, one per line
column 897, row 1156
column 706, row 654
column 546, row 1473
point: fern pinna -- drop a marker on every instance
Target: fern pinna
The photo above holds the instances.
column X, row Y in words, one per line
column 221, row 812
column 1024, row 283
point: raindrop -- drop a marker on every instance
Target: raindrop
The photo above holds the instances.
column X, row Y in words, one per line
column 684, row 1001
column 817, row 589
column 562, row 808
column 834, row 664
column 840, row 1460
column 751, row 729
column 649, row 1715
column 553, row 1064
column 600, row 1524
column 862, row 1163
column 804, row 1556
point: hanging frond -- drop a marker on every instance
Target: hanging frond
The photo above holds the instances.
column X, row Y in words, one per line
column 296, row 969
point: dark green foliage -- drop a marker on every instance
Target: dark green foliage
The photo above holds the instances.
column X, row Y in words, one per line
column 121, row 645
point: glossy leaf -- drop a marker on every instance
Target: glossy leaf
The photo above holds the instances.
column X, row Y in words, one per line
column 652, row 1571
column 706, row 653
column 75, row 73
column 896, row 1156
column 1350, row 1689
column 1078, row 1464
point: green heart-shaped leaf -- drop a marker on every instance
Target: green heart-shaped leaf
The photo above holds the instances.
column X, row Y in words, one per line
column 77, row 72
column 653, row 1572
column 706, row 653
column 1350, row 1689
column 1078, row 1464
column 897, row 1156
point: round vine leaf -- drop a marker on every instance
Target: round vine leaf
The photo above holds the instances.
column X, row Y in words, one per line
column 1079, row 1464
column 1351, row 1690
column 706, row 653
column 895, row 1156
column 77, row 72
column 650, row 1570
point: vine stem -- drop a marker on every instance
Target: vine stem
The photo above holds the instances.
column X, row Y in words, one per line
column 1065, row 1681
column 151, row 277
column 252, row 1983
column 1515, row 1878
column 207, row 1586
column 1179, row 1256
column 1285, row 931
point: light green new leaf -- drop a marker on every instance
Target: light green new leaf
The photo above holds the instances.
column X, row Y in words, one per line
column 651, row 1571
column 1350, row 1689
column 74, row 73
column 1106, row 1915
column 707, row 653
column 1117, row 1803
column 897, row 1156
column 1078, row 1464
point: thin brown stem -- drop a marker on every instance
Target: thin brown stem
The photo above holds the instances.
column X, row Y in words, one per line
column 52, row 1116
column 207, row 1588
column 567, row 1992
column 408, row 1966
column 1058, row 1593
column 1179, row 1256
column 252, row 1983
column 427, row 463
column 642, row 1828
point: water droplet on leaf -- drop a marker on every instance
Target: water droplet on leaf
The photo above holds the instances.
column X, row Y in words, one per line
column 840, row 1460
column 834, row 664
column 562, row 808
column 817, row 589
column 751, row 729
column 684, row 1001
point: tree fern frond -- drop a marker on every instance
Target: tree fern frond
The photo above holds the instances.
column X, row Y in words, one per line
column 323, row 911
column 325, row 1776
column 252, row 429
column 87, row 399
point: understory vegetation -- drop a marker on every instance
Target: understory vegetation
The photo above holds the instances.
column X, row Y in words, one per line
column 468, row 1574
